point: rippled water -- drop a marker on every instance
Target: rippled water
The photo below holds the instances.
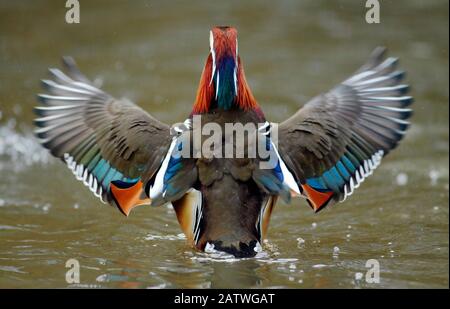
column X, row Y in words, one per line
column 153, row 52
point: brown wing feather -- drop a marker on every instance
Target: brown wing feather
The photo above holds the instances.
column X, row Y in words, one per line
column 102, row 139
column 362, row 119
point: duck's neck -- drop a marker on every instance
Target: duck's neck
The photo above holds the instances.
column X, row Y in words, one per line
column 223, row 86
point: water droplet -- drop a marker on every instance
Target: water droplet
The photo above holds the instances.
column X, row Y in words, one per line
column 98, row 82
column 336, row 251
column 46, row 207
column 402, row 179
column 314, row 225
column 434, row 176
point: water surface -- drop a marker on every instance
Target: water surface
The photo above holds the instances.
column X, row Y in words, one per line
column 152, row 52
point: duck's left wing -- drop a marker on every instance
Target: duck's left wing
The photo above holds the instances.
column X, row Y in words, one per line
column 338, row 138
column 112, row 145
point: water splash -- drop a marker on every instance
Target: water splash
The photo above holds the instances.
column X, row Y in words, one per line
column 12, row 269
column 211, row 254
column 165, row 237
column 278, row 261
column 300, row 243
column 19, row 150
column 319, row 266
column 336, row 251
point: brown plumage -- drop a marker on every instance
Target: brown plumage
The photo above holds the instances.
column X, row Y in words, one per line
column 128, row 158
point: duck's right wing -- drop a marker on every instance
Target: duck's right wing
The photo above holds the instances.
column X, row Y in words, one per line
column 112, row 145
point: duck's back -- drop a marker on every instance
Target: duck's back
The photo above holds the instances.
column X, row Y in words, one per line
column 232, row 201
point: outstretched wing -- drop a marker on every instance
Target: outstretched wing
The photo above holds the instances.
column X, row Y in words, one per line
column 112, row 145
column 338, row 138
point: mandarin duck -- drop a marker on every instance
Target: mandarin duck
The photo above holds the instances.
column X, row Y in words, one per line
column 128, row 158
